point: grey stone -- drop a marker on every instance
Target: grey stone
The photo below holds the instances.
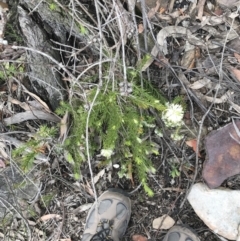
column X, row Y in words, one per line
column 16, row 189
column 218, row 208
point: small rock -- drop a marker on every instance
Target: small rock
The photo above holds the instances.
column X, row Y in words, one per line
column 164, row 222
column 139, row 237
column 218, row 208
column 223, row 153
column 16, row 189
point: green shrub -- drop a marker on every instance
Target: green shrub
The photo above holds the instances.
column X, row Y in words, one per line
column 116, row 128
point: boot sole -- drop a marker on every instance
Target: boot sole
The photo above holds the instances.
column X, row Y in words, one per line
column 184, row 231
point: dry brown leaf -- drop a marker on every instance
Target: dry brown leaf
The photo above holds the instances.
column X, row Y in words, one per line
column 237, row 56
column 98, row 176
column 164, row 17
column 154, row 10
column 218, row 11
column 234, row 44
column 170, row 5
column 88, row 188
column 162, row 10
column 42, row 149
column 140, row 28
column 174, row 31
column 2, row 163
column 228, row 3
column 220, row 100
column 3, row 88
column 14, row 87
column 193, row 144
column 3, row 152
column 197, row 53
column 82, row 208
column 192, row 64
column 23, row 105
column 212, row 20
column 163, row 61
column 181, row 11
column 31, row 223
column 130, row 173
column 188, row 59
column 201, row 83
column 159, row 65
column 201, row 4
column 38, row 99
column 235, row 106
column 63, row 126
column 49, row 216
column 138, row 237
column 30, row 115
column 4, row 6
column 236, row 72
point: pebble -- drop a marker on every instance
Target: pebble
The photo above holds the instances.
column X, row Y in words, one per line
column 163, row 222
column 218, row 208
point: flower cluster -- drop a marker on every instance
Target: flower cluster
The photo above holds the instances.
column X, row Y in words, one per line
column 107, row 153
column 173, row 115
column 176, row 137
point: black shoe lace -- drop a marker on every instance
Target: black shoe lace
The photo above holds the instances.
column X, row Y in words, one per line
column 104, row 231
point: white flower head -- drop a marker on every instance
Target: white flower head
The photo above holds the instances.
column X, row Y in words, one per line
column 158, row 132
column 176, row 137
column 107, row 153
column 173, row 115
column 148, row 124
column 135, row 121
column 139, row 140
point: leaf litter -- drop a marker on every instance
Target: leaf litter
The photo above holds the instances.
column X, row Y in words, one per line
column 204, row 36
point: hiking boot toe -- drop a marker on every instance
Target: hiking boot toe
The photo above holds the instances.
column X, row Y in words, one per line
column 180, row 233
column 108, row 219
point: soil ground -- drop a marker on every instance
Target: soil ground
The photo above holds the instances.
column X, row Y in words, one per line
column 61, row 194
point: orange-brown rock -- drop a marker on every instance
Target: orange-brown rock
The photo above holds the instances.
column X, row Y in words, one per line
column 223, row 155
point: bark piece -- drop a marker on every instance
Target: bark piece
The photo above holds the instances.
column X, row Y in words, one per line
column 45, row 78
column 223, row 152
column 61, row 23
